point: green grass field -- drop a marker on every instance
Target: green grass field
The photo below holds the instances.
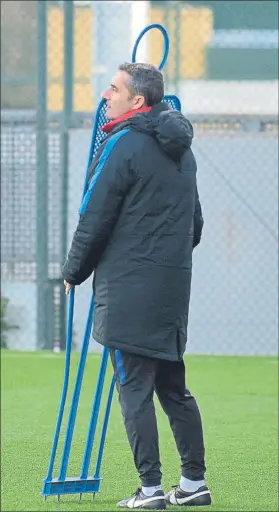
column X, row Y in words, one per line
column 238, row 401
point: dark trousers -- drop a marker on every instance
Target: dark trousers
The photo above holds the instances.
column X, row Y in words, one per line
column 137, row 378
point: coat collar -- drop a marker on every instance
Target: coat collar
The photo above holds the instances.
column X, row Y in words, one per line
column 107, row 128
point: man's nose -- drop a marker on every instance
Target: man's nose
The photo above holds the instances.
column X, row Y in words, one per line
column 105, row 94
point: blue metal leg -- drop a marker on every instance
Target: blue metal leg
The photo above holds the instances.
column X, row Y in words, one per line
column 76, row 394
column 104, row 429
column 94, row 415
column 65, row 384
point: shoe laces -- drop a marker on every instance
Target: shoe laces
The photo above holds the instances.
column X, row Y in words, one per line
column 137, row 492
column 173, row 487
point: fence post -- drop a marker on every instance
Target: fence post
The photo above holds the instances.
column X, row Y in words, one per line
column 177, row 6
column 41, row 177
column 167, row 24
column 111, row 42
column 64, row 149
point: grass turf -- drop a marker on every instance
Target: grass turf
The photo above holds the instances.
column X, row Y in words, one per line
column 238, row 402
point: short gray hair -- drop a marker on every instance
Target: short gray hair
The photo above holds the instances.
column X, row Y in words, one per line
column 146, row 80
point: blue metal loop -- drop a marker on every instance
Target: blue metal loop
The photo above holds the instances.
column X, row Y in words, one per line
column 166, row 42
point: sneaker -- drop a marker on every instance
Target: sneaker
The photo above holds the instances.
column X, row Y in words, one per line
column 139, row 500
column 198, row 498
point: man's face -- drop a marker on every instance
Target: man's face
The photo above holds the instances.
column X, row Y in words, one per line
column 118, row 96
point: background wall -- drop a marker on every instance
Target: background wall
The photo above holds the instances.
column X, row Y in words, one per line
column 223, row 66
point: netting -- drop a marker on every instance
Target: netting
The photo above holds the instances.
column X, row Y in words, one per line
column 224, row 70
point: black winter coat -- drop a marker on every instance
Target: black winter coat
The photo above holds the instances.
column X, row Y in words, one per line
column 139, row 221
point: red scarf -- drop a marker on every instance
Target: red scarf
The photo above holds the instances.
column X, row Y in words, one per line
column 109, row 126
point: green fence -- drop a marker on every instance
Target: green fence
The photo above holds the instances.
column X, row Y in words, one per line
column 45, row 135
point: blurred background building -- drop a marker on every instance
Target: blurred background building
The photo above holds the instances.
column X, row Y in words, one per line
column 56, row 58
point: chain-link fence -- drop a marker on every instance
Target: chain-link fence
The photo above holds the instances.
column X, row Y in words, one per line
column 56, row 58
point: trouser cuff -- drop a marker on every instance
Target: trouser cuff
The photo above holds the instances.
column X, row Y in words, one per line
column 192, row 475
column 150, row 482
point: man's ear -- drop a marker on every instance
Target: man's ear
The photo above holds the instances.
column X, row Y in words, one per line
column 138, row 102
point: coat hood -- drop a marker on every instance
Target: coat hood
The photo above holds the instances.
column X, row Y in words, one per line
column 171, row 129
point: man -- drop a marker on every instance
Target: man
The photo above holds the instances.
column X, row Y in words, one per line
column 139, row 222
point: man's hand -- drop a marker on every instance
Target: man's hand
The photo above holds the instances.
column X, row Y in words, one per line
column 68, row 286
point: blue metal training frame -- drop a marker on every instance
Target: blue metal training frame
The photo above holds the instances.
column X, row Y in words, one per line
column 83, row 483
